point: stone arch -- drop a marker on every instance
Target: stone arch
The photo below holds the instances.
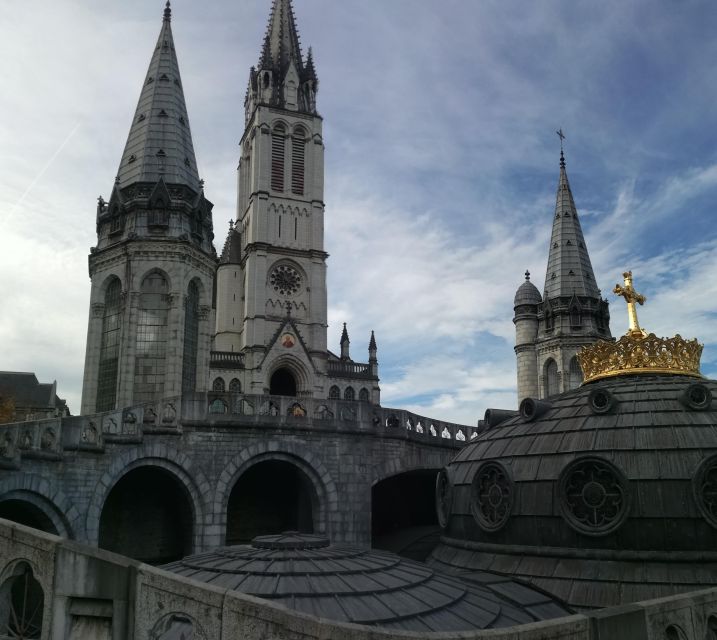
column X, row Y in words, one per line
column 153, row 455
column 396, row 467
column 324, row 485
column 45, row 495
column 295, row 366
column 551, row 378
column 202, row 287
column 149, row 272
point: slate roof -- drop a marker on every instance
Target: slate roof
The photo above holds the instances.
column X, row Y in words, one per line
column 527, row 293
column 569, row 269
column 306, row 573
column 665, row 540
column 28, row 392
column 231, row 253
column 159, row 143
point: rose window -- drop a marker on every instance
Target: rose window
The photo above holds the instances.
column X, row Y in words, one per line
column 285, row 280
column 594, row 496
column 704, row 486
column 492, row 496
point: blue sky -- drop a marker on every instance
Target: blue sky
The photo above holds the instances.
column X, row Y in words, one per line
column 441, row 166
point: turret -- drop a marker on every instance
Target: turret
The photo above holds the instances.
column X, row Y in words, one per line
column 345, row 344
column 526, row 302
column 372, row 355
column 230, row 293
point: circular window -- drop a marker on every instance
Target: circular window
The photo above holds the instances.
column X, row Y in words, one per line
column 704, row 487
column 601, row 401
column 594, row 496
column 492, row 499
column 285, row 279
column 697, row 396
column 444, row 498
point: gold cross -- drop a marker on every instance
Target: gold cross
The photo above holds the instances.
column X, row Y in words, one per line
column 631, row 297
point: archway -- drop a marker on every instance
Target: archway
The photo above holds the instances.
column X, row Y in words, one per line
column 22, row 605
column 270, row 497
column 282, row 383
column 26, row 513
column 403, row 514
column 147, row 516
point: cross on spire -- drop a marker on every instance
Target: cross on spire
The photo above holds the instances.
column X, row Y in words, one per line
column 561, row 135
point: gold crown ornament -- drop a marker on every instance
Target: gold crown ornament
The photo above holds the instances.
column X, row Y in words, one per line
column 637, row 351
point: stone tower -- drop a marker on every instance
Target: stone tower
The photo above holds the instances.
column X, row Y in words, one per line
column 153, row 267
column 271, row 314
column 551, row 329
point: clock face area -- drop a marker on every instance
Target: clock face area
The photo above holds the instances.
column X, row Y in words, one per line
column 285, row 280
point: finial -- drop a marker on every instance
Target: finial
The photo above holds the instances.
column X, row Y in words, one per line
column 231, row 225
column 167, row 12
column 527, row 275
column 631, row 297
column 561, row 135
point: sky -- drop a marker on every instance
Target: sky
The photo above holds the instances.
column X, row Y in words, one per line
column 441, row 167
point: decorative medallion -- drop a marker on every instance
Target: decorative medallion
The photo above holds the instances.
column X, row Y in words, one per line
column 594, row 496
column 492, row 499
column 704, row 488
column 287, row 340
column 444, row 497
column 285, row 279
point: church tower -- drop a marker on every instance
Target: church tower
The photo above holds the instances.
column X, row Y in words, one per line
column 571, row 313
column 153, row 267
column 271, row 309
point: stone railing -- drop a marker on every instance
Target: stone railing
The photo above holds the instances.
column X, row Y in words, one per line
column 343, row 369
column 226, row 360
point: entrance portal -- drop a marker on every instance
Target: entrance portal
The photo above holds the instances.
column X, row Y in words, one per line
column 147, row 516
column 282, row 383
column 269, row 498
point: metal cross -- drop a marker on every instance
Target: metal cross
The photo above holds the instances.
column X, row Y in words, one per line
column 561, row 135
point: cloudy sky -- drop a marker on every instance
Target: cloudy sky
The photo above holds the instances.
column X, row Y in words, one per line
column 441, row 166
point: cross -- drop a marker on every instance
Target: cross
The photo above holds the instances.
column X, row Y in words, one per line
column 631, row 297
column 561, row 135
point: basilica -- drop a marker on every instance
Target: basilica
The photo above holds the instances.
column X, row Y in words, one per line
column 230, row 476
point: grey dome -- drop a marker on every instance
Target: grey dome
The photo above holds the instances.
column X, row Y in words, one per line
column 306, row 573
column 527, row 293
column 605, row 494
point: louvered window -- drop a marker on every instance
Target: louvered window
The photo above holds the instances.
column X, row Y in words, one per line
column 277, row 158
column 298, row 150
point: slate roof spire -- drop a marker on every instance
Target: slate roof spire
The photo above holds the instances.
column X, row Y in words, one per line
column 569, row 269
column 159, row 144
column 282, row 39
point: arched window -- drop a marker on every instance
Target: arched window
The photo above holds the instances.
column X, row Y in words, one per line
column 334, row 393
column 218, row 385
column 576, row 374
column 191, row 338
column 298, row 149
column 576, row 318
column 22, row 604
column 363, row 395
column 278, row 143
column 150, row 361
column 549, row 320
column 552, row 387
column 109, row 347
column 349, row 394
column 235, row 385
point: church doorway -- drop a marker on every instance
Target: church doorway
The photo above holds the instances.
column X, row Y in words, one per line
column 271, row 497
column 147, row 516
column 282, row 383
column 403, row 514
column 28, row 514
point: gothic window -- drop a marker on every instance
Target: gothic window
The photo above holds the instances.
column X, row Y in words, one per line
column 576, row 374
column 363, row 395
column 22, row 602
column 191, row 338
column 235, row 386
column 218, row 385
column 549, row 320
column 334, row 393
column 109, row 347
column 298, row 150
column 576, row 318
column 278, row 143
column 551, row 378
column 349, row 394
column 150, row 362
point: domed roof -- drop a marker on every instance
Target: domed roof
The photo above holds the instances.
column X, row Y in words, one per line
column 306, row 573
column 605, row 494
column 527, row 293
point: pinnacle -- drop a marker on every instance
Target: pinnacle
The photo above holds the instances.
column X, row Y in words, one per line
column 167, row 12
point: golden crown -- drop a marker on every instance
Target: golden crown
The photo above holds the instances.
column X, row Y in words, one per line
column 637, row 351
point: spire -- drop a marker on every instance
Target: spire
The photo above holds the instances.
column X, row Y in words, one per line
column 345, row 342
column 373, row 352
column 569, row 270
column 231, row 253
column 160, row 142
column 282, row 39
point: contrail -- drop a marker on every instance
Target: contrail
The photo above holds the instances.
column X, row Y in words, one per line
column 42, row 172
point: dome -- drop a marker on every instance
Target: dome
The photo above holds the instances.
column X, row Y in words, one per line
column 363, row 586
column 527, row 293
column 604, row 495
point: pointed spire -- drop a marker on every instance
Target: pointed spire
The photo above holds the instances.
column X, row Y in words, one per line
column 159, row 143
column 309, row 70
column 372, row 349
column 344, row 335
column 345, row 344
column 281, row 44
column 231, row 253
column 569, row 269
